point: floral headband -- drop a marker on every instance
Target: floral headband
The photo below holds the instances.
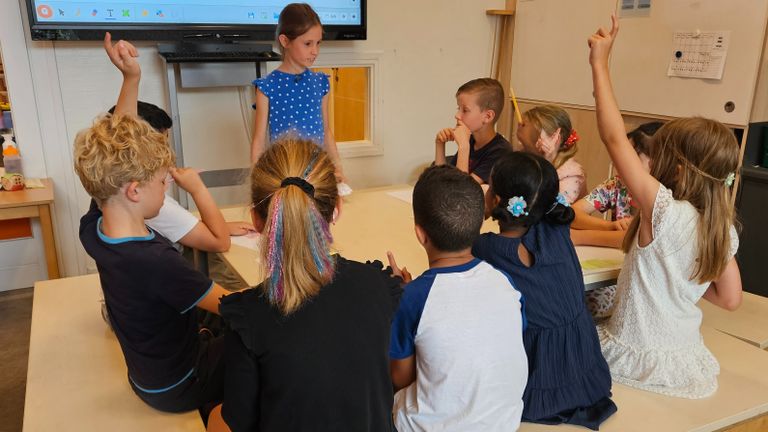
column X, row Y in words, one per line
column 573, row 138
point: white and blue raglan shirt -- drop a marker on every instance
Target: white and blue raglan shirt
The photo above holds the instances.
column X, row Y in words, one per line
column 465, row 326
column 295, row 103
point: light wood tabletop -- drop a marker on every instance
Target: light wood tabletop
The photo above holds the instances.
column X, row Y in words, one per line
column 77, row 379
column 749, row 322
column 742, row 394
column 373, row 221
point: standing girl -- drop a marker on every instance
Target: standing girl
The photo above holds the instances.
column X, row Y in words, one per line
column 546, row 131
column 679, row 248
column 294, row 99
column 309, row 346
column 568, row 378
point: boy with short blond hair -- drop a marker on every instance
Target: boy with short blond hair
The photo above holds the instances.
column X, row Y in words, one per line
column 150, row 290
column 479, row 105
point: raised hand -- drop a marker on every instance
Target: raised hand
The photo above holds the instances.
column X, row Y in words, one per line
column 601, row 42
column 123, row 55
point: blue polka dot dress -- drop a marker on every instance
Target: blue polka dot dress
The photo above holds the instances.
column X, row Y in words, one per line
column 295, row 103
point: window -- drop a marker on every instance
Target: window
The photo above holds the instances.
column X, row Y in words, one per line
column 353, row 100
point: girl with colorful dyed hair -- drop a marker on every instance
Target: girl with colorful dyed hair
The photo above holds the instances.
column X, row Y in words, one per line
column 309, row 346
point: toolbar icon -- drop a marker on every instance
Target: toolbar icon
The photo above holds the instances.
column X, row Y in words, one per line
column 44, row 11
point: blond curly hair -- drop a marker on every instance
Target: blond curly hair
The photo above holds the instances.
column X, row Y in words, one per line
column 116, row 150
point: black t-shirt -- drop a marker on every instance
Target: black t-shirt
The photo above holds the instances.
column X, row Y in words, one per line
column 481, row 161
column 323, row 368
column 151, row 292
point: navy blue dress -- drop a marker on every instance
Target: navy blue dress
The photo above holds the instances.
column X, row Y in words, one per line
column 568, row 378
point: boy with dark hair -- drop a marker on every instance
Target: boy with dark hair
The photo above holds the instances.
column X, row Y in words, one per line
column 456, row 350
column 479, row 105
column 152, row 114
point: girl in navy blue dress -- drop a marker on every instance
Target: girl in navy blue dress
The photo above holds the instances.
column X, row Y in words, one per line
column 293, row 99
column 568, row 378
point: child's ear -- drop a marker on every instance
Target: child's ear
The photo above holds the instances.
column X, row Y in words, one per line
column 257, row 221
column 284, row 41
column 132, row 191
column 421, row 235
column 489, row 115
column 337, row 210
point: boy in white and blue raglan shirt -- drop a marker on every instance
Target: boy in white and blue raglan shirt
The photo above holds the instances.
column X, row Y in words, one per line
column 457, row 356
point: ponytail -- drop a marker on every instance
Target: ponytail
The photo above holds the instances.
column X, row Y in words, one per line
column 294, row 191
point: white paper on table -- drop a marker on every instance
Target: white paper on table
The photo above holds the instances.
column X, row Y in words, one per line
column 403, row 194
column 699, row 54
column 250, row 241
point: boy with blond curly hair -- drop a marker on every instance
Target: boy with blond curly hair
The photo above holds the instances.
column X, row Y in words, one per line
column 151, row 291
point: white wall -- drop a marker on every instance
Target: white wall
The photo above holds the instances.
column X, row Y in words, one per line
column 428, row 49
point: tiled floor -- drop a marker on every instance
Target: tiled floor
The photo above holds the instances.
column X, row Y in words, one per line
column 15, row 319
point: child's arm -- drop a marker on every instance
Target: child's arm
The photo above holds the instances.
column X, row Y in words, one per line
column 211, row 300
column 442, row 137
column 403, row 372
column 461, row 135
column 611, row 239
column 216, row 422
column 123, row 56
column 726, row 290
column 585, row 221
column 240, row 228
column 641, row 184
column 212, row 233
column 260, row 123
column 330, row 142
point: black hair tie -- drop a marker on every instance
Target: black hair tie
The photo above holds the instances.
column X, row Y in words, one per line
column 301, row 183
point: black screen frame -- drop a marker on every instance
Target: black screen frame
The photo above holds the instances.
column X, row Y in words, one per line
column 180, row 32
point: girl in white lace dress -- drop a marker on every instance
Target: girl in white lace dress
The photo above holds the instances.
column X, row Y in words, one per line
column 679, row 249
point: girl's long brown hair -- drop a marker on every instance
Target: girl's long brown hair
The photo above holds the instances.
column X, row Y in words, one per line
column 692, row 157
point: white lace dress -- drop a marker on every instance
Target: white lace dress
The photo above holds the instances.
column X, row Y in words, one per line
column 653, row 341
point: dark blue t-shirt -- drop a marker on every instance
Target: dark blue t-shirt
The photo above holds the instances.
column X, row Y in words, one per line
column 151, row 292
column 481, row 161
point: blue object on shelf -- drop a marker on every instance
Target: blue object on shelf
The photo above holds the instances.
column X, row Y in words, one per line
column 7, row 120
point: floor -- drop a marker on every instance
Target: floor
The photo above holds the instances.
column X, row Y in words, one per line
column 15, row 319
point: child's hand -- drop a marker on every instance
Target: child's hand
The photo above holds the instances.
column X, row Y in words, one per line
column 461, row 133
column 444, row 136
column 340, row 177
column 601, row 42
column 548, row 145
column 621, row 224
column 187, row 179
column 402, row 273
column 240, row 228
column 123, row 55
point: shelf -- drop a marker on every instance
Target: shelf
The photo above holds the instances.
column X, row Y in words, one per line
column 500, row 12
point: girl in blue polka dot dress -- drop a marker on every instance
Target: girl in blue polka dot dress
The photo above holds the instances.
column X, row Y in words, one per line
column 293, row 99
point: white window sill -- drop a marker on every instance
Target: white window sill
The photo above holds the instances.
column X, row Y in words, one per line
column 356, row 149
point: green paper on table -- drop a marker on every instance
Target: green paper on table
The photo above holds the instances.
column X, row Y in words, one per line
column 598, row 264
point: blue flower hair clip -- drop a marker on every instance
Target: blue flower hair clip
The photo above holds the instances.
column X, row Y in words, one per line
column 561, row 200
column 516, row 206
column 730, row 179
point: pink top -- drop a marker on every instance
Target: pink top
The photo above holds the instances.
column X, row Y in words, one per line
column 573, row 180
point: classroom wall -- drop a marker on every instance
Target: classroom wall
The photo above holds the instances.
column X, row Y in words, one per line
column 426, row 50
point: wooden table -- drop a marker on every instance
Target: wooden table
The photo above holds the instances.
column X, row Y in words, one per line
column 372, row 221
column 749, row 322
column 34, row 203
column 742, row 395
column 77, row 379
